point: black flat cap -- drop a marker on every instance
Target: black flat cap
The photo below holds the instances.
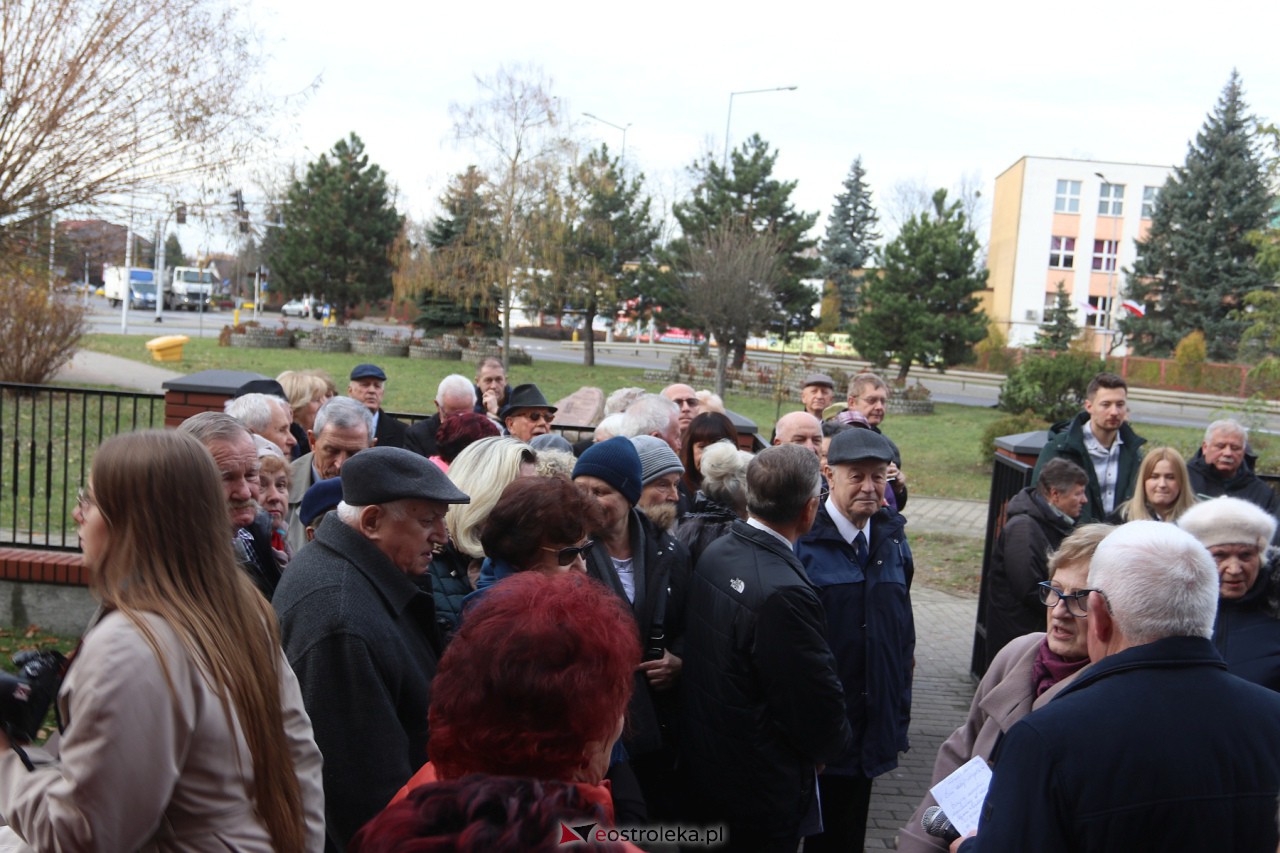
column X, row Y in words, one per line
column 367, row 371
column 818, row 379
column 852, row 445
column 261, row 386
column 380, row 475
column 525, row 396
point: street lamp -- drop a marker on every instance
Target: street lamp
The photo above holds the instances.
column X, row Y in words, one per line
column 1111, row 276
column 729, row 117
column 615, row 127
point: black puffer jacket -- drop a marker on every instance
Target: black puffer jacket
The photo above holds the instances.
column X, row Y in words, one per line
column 1019, row 562
column 762, row 703
column 706, row 523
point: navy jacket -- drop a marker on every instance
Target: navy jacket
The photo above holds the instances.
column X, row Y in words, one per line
column 872, row 634
column 1155, row 748
column 762, row 703
column 1247, row 632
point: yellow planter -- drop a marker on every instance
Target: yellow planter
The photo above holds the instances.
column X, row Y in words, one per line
column 168, row 347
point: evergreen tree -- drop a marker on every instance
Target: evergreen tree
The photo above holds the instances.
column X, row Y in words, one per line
column 922, row 306
column 173, row 256
column 850, row 240
column 1060, row 327
column 339, row 224
column 1196, row 264
column 457, row 274
column 749, row 194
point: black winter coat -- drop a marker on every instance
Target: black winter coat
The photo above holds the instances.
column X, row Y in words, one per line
column 762, row 702
column 1244, row 484
column 1019, row 562
column 1247, row 631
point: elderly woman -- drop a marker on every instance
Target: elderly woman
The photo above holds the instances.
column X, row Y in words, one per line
column 482, row 470
column 182, row 724
column 274, row 480
column 1025, row 675
column 1247, row 630
column 721, row 500
column 539, row 524
column 1166, row 490
column 535, row 685
column 306, row 393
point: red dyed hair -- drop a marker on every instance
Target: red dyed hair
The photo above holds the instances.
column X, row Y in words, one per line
column 457, row 431
column 541, row 667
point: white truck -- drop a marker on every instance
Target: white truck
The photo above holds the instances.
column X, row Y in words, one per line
column 190, row 288
column 134, row 284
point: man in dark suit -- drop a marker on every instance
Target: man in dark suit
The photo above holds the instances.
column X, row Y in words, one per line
column 368, row 384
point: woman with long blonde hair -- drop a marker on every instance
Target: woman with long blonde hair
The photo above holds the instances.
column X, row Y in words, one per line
column 182, row 725
column 1163, row 492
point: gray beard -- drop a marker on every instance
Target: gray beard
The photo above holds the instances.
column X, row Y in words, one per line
column 663, row 515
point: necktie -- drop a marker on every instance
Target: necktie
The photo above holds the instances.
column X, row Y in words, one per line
column 860, row 549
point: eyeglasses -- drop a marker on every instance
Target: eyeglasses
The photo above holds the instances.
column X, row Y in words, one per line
column 536, row 416
column 1077, row 602
column 687, row 402
column 84, row 500
column 565, row 556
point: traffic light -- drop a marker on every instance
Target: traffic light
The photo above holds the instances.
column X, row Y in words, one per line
column 181, row 213
column 237, row 200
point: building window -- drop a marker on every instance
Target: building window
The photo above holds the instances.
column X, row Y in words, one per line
column 1062, row 253
column 1068, row 198
column 1149, row 201
column 1111, row 200
column 1098, row 314
column 1104, row 255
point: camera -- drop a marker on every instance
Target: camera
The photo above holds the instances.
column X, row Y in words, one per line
column 25, row 696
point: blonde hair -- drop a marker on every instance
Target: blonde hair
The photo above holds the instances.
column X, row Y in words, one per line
column 482, row 470
column 273, row 463
column 1079, row 547
column 190, row 578
column 301, row 387
column 1136, row 509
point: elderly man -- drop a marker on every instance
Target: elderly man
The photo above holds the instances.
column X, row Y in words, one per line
column 342, row 429
column 660, row 472
column 650, row 570
column 360, row 632
column 799, row 428
column 267, row 416
column 763, row 704
column 653, row 414
column 686, row 399
column 527, row 413
column 868, row 396
column 1155, row 746
column 231, row 445
column 454, row 396
column 367, row 385
column 1222, row 466
column 816, row 393
column 1100, row 441
column 491, row 387
column 857, row 557
column 1038, row 518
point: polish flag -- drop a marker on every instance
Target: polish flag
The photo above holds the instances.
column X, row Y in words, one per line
column 1134, row 307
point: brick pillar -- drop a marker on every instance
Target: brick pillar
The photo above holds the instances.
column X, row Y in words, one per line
column 206, row 391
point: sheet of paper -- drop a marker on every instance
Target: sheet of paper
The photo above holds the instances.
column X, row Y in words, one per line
column 961, row 794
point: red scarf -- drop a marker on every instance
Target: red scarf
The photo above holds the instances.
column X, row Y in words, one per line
column 1050, row 668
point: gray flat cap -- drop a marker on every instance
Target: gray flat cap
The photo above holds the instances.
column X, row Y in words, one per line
column 852, row 445
column 380, row 475
column 818, row 379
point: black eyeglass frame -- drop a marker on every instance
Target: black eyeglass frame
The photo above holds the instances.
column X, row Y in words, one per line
column 1050, row 595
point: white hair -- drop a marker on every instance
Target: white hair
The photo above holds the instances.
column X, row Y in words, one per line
column 724, row 474
column 1226, row 425
column 610, row 427
column 349, row 514
column 1158, row 580
column 455, row 386
column 256, row 410
column 344, row 413
column 619, row 401
column 649, row 414
column 483, row 469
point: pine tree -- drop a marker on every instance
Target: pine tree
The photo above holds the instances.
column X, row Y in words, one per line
column 747, row 193
column 922, row 305
column 850, row 240
column 339, row 223
column 1060, row 327
column 1196, row 265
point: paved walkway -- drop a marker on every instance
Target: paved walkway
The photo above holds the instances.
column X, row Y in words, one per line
column 946, row 515
column 97, row 368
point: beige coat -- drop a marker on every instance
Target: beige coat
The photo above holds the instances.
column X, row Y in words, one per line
column 140, row 768
column 1004, row 696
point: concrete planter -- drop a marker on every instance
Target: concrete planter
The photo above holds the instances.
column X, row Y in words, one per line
column 324, row 344
column 380, row 348
column 435, row 352
column 909, row 407
column 261, row 341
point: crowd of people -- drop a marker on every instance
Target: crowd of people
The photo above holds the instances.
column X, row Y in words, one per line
column 470, row 634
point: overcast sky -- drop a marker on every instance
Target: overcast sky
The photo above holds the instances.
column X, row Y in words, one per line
column 924, row 92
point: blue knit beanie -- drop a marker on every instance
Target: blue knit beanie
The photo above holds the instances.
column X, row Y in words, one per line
column 616, row 462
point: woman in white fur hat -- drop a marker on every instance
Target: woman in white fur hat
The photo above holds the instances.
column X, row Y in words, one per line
column 1247, row 632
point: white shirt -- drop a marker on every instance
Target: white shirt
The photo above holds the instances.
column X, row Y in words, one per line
column 848, row 530
column 760, row 525
column 626, row 576
column 1106, row 465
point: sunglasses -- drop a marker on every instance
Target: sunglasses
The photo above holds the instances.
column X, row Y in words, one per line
column 536, row 416
column 565, row 556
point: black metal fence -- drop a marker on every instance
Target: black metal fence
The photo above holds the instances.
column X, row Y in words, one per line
column 48, row 436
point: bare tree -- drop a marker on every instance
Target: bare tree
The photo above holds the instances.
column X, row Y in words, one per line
column 729, row 285
column 518, row 123
column 101, row 98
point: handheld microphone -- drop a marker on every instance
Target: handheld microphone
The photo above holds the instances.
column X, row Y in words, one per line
column 936, row 824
